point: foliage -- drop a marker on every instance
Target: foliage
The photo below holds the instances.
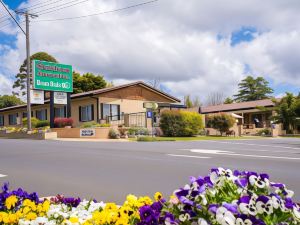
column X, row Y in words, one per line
column 87, row 82
column 138, row 131
column 20, row 83
column 152, row 139
column 228, row 100
column 264, row 132
column 221, row 122
column 224, row 197
column 288, row 112
column 188, row 102
column 94, row 124
column 113, row 134
column 34, row 122
column 180, row 123
column 42, row 123
column 63, row 122
column 9, row 100
column 251, row 89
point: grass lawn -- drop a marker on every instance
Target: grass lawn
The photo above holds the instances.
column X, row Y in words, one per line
column 198, row 138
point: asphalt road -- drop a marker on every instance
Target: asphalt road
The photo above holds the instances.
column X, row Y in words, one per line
column 109, row 171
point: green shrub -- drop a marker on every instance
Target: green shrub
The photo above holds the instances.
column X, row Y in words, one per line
column 113, row 134
column 42, row 123
column 94, row 124
column 34, row 122
column 264, row 132
column 180, row 123
column 221, row 122
column 138, row 131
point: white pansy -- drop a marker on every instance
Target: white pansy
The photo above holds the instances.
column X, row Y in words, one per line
column 202, row 221
column 240, row 221
column 264, row 207
column 184, row 217
column 259, row 182
column 296, row 213
column 225, row 217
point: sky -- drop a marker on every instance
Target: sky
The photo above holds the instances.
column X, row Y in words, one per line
column 195, row 47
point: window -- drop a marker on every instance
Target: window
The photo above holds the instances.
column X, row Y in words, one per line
column 106, row 111
column 60, row 112
column 1, row 120
column 86, row 113
column 13, row 119
column 24, row 114
column 41, row 114
column 111, row 110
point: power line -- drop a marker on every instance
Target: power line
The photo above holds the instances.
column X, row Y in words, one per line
column 39, row 3
column 56, row 7
column 12, row 17
column 100, row 13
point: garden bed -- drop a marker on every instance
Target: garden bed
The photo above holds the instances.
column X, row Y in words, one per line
column 94, row 133
column 223, row 197
column 23, row 135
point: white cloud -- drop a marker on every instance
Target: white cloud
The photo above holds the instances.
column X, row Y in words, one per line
column 5, row 87
column 173, row 40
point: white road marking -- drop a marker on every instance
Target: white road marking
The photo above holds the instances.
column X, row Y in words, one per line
column 220, row 152
column 190, row 156
column 240, row 143
column 2, row 175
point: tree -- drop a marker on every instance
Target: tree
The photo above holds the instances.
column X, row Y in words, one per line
column 196, row 102
column 288, row 112
column 228, row 100
column 9, row 100
column 20, row 83
column 155, row 83
column 221, row 122
column 251, row 89
column 188, row 102
column 87, row 82
column 215, row 98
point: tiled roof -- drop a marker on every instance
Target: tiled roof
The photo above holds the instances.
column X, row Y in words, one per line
column 104, row 90
column 237, row 106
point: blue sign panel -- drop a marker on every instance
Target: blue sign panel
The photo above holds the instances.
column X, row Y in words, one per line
column 149, row 114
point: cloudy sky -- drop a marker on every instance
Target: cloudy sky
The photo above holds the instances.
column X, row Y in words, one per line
column 193, row 47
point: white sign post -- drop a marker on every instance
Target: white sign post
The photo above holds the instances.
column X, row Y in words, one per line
column 60, row 98
column 36, row 97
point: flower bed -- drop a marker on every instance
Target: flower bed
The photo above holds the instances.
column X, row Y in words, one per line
column 223, row 197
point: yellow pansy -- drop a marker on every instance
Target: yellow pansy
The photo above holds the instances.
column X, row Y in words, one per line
column 11, row 201
column 74, row 220
column 31, row 216
column 158, row 196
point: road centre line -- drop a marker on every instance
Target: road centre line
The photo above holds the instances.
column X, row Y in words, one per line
column 220, row 152
column 190, row 156
column 240, row 143
column 255, row 150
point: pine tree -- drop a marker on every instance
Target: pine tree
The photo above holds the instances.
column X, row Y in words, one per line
column 251, row 89
column 20, row 83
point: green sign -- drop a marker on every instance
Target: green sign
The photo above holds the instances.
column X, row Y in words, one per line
column 51, row 76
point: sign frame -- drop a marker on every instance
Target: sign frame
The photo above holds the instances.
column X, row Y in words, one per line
column 42, row 98
column 53, row 76
column 58, row 100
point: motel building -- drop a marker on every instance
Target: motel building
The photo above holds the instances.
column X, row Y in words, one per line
column 250, row 120
column 121, row 105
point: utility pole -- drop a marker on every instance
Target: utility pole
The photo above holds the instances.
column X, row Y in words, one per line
column 28, row 78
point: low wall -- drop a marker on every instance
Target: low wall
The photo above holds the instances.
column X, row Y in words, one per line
column 37, row 136
column 95, row 133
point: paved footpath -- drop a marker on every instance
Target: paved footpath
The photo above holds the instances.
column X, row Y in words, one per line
column 108, row 171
